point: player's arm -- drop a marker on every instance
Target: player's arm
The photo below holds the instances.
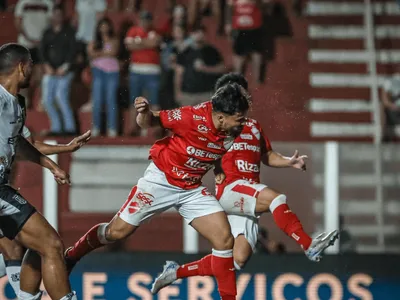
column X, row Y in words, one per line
column 219, row 172
column 72, row 146
column 146, row 118
column 276, row 160
column 28, row 152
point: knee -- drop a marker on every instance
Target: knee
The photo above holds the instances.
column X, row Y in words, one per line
column 114, row 233
column 13, row 252
column 225, row 240
column 53, row 246
column 239, row 261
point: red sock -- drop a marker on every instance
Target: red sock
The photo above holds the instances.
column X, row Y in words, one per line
column 86, row 244
column 224, row 272
column 200, row 267
column 290, row 224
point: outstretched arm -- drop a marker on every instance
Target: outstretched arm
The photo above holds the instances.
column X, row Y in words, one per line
column 277, row 160
column 29, row 152
column 72, row 146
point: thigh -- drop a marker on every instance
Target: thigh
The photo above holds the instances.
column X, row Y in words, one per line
column 152, row 195
column 37, row 234
column 15, row 212
column 197, row 203
column 246, row 226
column 112, row 84
column 240, row 197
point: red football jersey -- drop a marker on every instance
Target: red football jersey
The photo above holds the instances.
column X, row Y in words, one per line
column 246, row 16
column 244, row 157
column 195, row 145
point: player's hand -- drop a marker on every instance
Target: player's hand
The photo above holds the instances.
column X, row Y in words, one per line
column 61, row 176
column 142, row 105
column 219, row 178
column 79, row 141
column 298, row 161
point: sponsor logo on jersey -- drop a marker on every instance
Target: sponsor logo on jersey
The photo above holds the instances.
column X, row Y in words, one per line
column 174, row 115
column 186, row 176
column 256, row 132
column 201, row 153
column 246, row 136
column 202, row 128
column 199, row 118
column 245, row 166
column 193, row 163
column 214, row 146
column 245, row 146
column 202, row 138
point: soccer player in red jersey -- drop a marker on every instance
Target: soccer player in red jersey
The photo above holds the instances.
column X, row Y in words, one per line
column 244, row 199
column 201, row 135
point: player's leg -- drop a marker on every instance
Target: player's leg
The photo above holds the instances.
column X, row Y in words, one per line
column 38, row 235
column 275, row 202
column 146, row 199
column 204, row 213
column 97, row 237
column 244, row 230
column 32, row 273
column 13, row 254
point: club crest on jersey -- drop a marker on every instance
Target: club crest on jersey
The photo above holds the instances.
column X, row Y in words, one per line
column 246, row 136
column 174, row 114
column 213, row 146
column 202, row 128
column 256, row 132
column 228, row 142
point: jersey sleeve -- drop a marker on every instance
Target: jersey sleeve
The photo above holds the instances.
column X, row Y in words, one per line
column 176, row 120
column 265, row 143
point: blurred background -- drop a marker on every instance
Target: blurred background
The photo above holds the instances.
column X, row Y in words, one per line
column 325, row 80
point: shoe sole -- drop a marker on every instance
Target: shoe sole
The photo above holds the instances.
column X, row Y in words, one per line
column 332, row 238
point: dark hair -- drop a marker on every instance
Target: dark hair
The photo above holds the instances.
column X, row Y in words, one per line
column 231, row 99
column 232, row 78
column 99, row 43
column 11, row 55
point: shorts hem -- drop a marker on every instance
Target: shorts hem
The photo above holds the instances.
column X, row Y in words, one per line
column 137, row 224
column 20, row 227
column 189, row 221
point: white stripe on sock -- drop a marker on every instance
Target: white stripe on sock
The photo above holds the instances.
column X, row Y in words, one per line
column 281, row 199
column 223, row 253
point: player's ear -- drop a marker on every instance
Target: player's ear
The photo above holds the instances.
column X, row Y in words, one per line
column 22, row 69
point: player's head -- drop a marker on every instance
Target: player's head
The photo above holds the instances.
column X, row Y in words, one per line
column 16, row 63
column 230, row 105
column 231, row 78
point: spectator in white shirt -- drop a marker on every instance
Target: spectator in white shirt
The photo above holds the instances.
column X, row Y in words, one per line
column 32, row 17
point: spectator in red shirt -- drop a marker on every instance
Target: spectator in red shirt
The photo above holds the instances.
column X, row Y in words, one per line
column 244, row 24
column 144, row 42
